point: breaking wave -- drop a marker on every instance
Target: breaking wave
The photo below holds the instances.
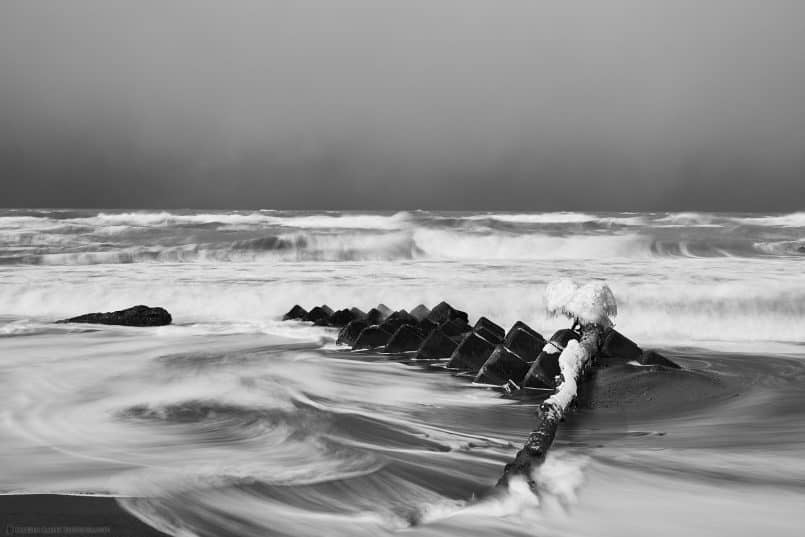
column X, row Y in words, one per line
column 265, row 218
column 465, row 246
column 537, row 218
column 76, row 238
column 688, row 220
column 218, row 300
column 549, row 220
column 293, row 247
column 787, row 220
column 11, row 219
column 419, row 244
column 783, row 248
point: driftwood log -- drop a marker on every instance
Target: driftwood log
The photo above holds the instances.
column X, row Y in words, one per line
column 574, row 362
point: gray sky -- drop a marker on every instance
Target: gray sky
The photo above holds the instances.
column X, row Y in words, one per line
column 378, row 104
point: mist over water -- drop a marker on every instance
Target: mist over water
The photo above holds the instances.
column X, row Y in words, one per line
column 453, row 104
column 231, row 422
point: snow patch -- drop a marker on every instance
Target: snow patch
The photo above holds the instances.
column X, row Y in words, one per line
column 591, row 303
column 571, row 361
column 550, row 348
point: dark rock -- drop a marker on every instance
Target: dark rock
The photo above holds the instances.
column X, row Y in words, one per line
column 445, row 312
column 426, row 326
column 296, row 313
column 420, row 312
column 358, row 313
column 522, row 326
column 487, row 335
column 372, row 337
column 385, row 310
column 543, row 372
column 801, row 249
column 399, row 314
column 406, row 338
column 501, row 367
column 436, row 345
column 524, row 344
column 489, row 330
column 398, row 319
column 455, row 328
column 341, row 318
column 134, row 316
column 376, row 316
column 545, row 368
column 618, row 349
column 318, row 314
column 655, row 358
column 561, row 338
column 471, row 353
column 349, row 334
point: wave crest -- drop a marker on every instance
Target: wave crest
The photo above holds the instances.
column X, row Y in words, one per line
column 475, row 246
column 785, row 248
column 787, row 220
column 421, row 243
column 266, row 218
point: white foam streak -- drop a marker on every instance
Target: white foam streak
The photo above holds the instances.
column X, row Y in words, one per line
column 121, row 221
column 558, row 481
column 537, row 218
column 782, row 248
column 270, row 236
column 688, row 219
column 321, row 221
column 561, row 476
column 465, row 246
column 703, row 301
column 787, row 220
column 400, row 245
column 558, row 218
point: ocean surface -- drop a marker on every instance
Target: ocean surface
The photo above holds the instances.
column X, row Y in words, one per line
column 231, row 422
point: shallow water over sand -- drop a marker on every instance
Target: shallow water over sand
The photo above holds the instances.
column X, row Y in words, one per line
column 232, row 423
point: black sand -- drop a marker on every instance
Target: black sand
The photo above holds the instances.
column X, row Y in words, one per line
column 74, row 516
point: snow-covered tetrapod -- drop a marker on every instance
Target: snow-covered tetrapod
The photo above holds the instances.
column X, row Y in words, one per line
column 591, row 307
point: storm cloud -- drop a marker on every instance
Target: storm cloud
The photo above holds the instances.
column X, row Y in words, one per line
column 374, row 104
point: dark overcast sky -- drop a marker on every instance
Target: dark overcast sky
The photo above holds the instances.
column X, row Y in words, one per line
column 377, row 104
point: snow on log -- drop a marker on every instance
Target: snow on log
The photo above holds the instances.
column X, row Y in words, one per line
column 590, row 305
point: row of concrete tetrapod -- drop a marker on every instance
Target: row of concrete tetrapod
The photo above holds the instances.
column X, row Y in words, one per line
column 520, row 358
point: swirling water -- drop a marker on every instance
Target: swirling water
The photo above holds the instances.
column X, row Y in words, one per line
column 230, row 422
